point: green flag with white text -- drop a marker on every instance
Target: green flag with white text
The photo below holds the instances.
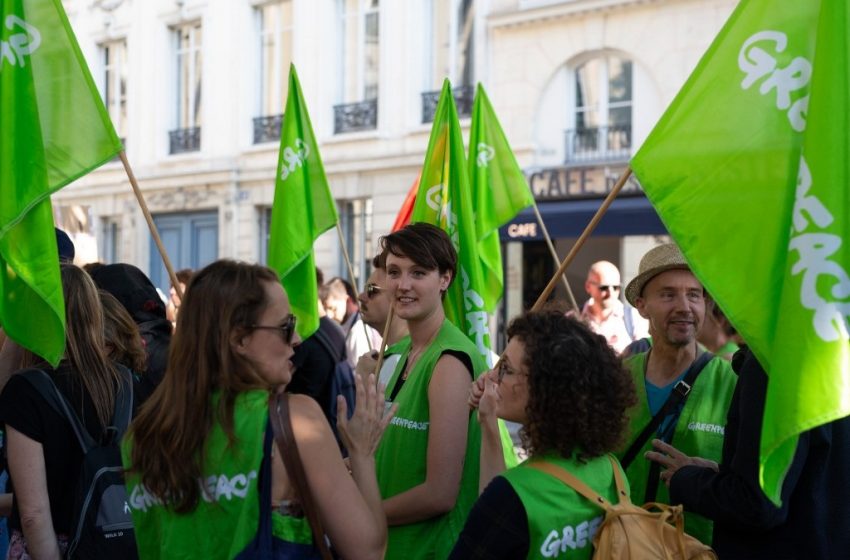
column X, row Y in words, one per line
column 499, row 191
column 303, row 209
column 53, row 129
column 749, row 171
column 445, row 200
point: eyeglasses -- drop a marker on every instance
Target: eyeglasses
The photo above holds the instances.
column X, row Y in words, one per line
column 286, row 330
column 372, row 290
column 503, row 369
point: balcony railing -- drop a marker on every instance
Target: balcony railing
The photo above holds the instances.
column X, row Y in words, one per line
column 354, row 117
column 604, row 143
column 464, row 96
column 184, row 140
column 267, row 129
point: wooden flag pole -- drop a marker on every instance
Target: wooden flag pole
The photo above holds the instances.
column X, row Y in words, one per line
column 353, row 281
column 554, row 255
column 151, row 225
column 384, row 344
column 621, row 182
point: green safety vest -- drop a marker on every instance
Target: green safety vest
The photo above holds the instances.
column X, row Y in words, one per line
column 401, row 457
column 561, row 522
column 699, row 431
column 227, row 516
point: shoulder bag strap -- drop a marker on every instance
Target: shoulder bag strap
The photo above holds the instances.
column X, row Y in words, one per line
column 677, row 397
column 619, row 480
column 572, row 481
column 288, row 448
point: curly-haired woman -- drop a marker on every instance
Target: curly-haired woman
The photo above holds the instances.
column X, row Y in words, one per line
column 570, row 392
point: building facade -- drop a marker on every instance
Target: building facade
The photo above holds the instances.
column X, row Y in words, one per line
column 196, row 89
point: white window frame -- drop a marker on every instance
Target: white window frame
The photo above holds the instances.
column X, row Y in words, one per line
column 281, row 71
column 363, row 10
column 112, row 70
column 179, row 52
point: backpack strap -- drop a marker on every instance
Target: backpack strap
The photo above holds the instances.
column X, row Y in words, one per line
column 573, row 482
column 673, row 405
column 122, row 413
column 45, row 386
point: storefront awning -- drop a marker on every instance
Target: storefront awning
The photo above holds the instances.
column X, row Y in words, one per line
column 567, row 218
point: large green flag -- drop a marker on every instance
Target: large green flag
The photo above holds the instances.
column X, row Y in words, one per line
column 749, row 170
column 303, row 209
column 53, row 129
column 445, row 200
column 499, row 192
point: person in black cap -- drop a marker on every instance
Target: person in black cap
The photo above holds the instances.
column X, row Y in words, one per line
column 138, row 295
column 65, row 247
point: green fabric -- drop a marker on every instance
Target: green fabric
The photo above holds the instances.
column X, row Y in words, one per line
column 223, row 527
column 756, row 143
column 303, row 209
column 499, row 192
column 445, row 200
column 561, row 521
column 402, row 455
column 699, row 431
column 54, row 129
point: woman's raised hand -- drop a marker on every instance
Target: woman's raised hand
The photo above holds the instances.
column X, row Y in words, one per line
column 362, row 433
column 489, row 398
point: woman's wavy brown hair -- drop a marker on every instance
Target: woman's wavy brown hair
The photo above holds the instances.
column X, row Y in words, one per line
column 123, row 340
column 168, row 450
column 85, row 347
column 578, row 389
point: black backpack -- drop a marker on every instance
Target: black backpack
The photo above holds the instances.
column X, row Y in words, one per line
column 341, row 382
column 102, row 526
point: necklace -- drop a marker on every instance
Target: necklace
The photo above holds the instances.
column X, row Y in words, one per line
column 414, row 355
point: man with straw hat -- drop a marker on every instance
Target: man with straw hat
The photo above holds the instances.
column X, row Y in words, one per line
column 683, row 392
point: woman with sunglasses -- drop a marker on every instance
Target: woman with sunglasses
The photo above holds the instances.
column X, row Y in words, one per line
column 428, row 460
column 195, row 451
column 569, row 390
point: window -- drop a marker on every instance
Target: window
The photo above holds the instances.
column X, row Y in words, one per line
column 359, row 57
column 355, row 220
column 265, row 215
column 115, row 84
column 187, row 134
column 603, row 110
column 275, row 30
column 449, row 53
column 110, row 240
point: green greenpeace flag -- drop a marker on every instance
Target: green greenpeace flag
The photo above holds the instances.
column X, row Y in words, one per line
column 445, row 200
column 303, row 209
column 53, row 129
column 499, row 192
column 749, row 169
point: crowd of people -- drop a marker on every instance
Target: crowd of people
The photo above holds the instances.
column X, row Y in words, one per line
column 410, row 461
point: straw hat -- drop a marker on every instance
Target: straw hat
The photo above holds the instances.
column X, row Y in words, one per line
column 654, row 262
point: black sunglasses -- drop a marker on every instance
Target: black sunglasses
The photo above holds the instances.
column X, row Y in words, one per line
column 287, row 329
column 372, row 290
column 606, row 288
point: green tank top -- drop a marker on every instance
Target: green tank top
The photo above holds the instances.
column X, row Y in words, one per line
column 699, row 431
column 561, row 522
column 401, row 456
column 227, row 516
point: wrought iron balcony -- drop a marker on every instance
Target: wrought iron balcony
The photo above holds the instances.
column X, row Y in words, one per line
column 267, row 129
column 464, row 96
column 354, row 117
column 184, row 140
column 603, row 143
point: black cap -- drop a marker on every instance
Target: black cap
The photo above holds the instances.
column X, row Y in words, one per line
column 65, row 246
